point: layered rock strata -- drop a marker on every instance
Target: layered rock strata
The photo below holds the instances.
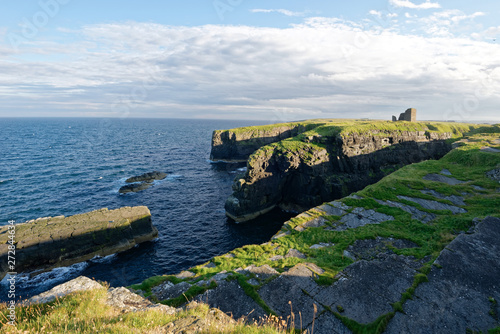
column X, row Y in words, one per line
column 239, row 144
column 61, row 241
column 300, row 173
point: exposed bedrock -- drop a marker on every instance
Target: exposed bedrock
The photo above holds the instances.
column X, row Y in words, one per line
column 52, row 242
column 300, row 173
column 239, row 144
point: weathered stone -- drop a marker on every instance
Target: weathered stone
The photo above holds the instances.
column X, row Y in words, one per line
column 294, row 282
column 433, row 205
column 370, row 249
column 229, row 297
column 134, row 187
column 443, row 179
column 331, row 210
column 494, row 174
column 446, row 172
column 321, row 245
column 214, row 321
column 276, row 257
column 78, row 284
column 456, row 297
column 294, row 253
column 457, row 200
column 62, row 241
column 490, row 150
column 263, row 272
column 417, row 214
column 185, row 274
column 327, row 323
column 147, row 177
column 168, row 290
column 361, row 217
column 367, row 288
column 127, row 301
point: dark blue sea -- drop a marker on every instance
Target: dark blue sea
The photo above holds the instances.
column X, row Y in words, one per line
column 66, row 166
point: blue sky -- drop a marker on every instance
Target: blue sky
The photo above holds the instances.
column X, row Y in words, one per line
column 271, row 60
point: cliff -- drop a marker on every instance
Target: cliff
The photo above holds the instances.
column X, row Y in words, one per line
column 331, row 161
column 238, row 144
column 61, row 241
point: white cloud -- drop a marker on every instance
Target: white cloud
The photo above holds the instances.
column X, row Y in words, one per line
column 324, row 67
column 280, row 11
column 408, row 4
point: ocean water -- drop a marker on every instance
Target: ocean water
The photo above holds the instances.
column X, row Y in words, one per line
column 66, row 166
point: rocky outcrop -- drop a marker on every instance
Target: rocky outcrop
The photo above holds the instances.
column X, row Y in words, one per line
column 238, row 144
column 300, row 173
column 147, row 177
column 61, row 241
column 141, row 182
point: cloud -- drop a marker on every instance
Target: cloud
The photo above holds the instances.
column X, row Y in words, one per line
column 322, row 67
column 408, row 4
column 285, row 12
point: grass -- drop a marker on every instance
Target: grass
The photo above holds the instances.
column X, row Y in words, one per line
column 87, row 312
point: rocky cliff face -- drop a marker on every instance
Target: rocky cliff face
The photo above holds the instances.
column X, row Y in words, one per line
column 238, row 144
column 302, row 172
column 61, row 241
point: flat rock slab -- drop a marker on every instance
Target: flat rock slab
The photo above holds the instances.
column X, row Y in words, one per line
column 370, row 249
column 361, row 217
column 263, row 272
column 457, row 200
column 443, row 179
column 230, row 298
column 331, row 210
column 434, row 205
column 417, row 214
column 286, row 292
column 294, row 253
column 62, row 241
column 456, row 298
column 127, row 301
column 366, row 289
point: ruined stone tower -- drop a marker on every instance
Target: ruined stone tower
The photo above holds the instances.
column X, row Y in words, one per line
column 410, row 115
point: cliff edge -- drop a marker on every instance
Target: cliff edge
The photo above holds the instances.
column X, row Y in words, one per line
column 330, row 161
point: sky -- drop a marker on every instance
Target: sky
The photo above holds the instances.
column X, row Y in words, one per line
column 276, row 60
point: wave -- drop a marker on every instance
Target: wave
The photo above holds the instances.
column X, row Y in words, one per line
column 5, row 181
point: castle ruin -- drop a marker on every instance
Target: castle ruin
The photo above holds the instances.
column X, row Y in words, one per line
column 410, row 115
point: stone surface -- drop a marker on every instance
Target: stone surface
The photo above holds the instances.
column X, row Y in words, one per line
column 446, row 172
column 321, row 245
column 295, row 253
column 330, row 210
column 494, row 174
column 417, row 214
column 230, row 298
column 168, row 290
column 78, row 284
column 62, row 241
column 127, row 301
column 366, row 289
column 147, row 177
column 185, row 274
column 434, row 205
column 370, row 249
column 327, row 323
column 360, row 217
column 457, row 200
column 263, row 272
column 294, row 283
column 444, row 179
column 456, row 297
column 134, row 187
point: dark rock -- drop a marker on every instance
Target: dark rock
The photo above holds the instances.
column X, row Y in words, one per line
column 134, row 187
column 62, row 241
column 366, row 289
column 168, row 290
column 456, row 297
column 311, row 175
column 147, row 177
column 494, row 174
column 370, row 249
column 327, row 323
column 433, row 205
column 457, row 200
column 360, row 217
column 440, row 178
column 229, row 297
column 417, row 214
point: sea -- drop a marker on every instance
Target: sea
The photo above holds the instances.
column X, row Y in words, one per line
column 67, row 166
